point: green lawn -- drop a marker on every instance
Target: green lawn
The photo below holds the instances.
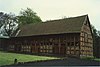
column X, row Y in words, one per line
column 8, row 58
column 91, row 58
column 97, row 59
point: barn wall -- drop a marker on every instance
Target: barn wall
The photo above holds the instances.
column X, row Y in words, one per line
column 62, row 44
column 86, row 41
column 3, row 43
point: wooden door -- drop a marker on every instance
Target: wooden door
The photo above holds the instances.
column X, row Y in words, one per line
column 56, row 49
column 62, row 49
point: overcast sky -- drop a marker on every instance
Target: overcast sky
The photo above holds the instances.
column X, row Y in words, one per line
column 56, row 9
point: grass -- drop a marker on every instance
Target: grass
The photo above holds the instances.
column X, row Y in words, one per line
column 91, row 58
column 97, row 59
column 8, row 58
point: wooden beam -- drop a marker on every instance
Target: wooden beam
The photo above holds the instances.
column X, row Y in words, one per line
column 59, row 44
column 74, row 46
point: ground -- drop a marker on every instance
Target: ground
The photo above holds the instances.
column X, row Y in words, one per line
column 8, row 58
column 59, row 63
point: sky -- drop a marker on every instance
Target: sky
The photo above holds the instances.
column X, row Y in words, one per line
column 56, row 9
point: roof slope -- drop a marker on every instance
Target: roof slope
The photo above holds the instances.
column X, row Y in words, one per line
column 67, row 25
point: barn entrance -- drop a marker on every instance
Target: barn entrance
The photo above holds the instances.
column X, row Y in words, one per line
column 56, row 49
column 62, row 49
column 59, row 49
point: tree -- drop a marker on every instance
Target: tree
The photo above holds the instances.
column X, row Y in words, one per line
column 8, row 24
column 1, row 18
column 96, row 42
column 99, row 33
column 28, row 16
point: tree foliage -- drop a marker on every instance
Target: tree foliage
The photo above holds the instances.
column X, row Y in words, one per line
column 28, row 16
column 96, row 42
column 7, row 23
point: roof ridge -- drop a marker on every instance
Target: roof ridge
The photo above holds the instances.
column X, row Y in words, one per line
column 65, row 18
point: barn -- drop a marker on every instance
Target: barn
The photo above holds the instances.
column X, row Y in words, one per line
column 67, row 37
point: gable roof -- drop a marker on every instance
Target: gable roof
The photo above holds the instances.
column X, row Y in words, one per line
column 67, row 25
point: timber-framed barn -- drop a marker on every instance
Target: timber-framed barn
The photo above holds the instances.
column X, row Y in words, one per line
column 69, row 37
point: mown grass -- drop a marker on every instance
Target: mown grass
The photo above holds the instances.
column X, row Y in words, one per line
column 8, row 58
column 91, row 58
column 97, row 59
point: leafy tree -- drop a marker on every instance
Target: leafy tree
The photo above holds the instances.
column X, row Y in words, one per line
column 1, row 18
column 96, row 42
column 99, row 33
column 28, row 16
column 8, row 23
